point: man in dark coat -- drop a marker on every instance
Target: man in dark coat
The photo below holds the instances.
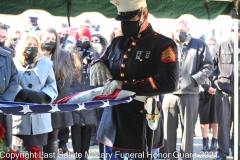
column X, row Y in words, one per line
column 223, row 78
column 195, row 66
column 8, row 83
column 141, row 61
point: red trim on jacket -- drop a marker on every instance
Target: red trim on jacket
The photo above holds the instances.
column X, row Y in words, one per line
column 152, row 83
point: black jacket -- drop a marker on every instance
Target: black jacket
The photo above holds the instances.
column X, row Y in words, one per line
column 146, row 64
column 223, row 77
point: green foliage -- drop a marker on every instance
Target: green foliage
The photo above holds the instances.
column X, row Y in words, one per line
column 3, row 148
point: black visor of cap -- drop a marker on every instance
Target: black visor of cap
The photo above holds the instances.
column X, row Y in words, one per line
column 124, row 16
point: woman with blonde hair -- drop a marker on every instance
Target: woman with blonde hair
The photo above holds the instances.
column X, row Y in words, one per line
column 37, row 84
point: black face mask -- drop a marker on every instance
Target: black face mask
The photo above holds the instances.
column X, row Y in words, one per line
column 2, row 44
column 130, row 28
column 83, row 45
column 30, row 53
column 49, row 46
column 181, row 37
column 15, row 39
column 14, row 43
column 61, row 39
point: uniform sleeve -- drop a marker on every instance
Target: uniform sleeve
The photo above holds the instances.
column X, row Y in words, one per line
column 206, row 66
column 205, row 87
column 165, row 80
column 11, row 90
column 50, row 87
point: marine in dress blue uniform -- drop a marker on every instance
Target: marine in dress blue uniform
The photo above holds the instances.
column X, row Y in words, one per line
column 142, row 61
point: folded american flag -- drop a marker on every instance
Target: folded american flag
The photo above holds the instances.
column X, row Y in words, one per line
column 89, row 99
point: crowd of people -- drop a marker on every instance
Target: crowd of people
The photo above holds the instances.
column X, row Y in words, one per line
column 42, row 66
column 190, row 76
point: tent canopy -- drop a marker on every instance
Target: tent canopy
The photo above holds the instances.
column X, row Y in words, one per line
column 158, row 8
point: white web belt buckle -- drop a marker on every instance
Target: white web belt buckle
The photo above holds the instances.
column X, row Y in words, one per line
column 153, row 114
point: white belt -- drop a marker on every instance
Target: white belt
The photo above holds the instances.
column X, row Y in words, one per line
column 141, row 98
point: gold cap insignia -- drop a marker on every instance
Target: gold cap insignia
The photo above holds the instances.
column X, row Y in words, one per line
column 117, row 3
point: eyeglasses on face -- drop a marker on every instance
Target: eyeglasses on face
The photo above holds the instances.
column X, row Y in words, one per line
column 3, row 37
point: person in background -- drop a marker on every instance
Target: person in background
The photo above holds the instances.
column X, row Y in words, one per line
column 211, row 42
column 202, row 37
column 115, row 33
column 12, row 41
column 84, row 24
column 223, row 78
column 62, row 67
column 63, row 134
column 95, row 28
column 33, row 25
column 207, row 108
column 98, row 45
column 37, row 84
column 8, row 83
column 196, row 66
column 62, row 33
column 82, row 56
column 3, row 46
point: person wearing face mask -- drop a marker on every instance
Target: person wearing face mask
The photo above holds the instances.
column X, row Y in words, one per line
column 141, row 61
column 62, row 66
column 84, row 49
column 85, row 23
column 12, row 41
column 196, row 65
column 211, row 42
column 223, row 79
column 4, row 42
column 33, row 25
column 63, row 134
column 37, row 84
column 82, row 56
column 62, row 33
column 207, row 108
column 98, row 45
column 8, row 84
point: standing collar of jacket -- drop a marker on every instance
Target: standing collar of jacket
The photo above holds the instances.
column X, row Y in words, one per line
column 143, row 34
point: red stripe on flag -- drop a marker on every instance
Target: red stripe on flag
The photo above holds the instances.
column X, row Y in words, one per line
column 112, row 96
column 100, row 97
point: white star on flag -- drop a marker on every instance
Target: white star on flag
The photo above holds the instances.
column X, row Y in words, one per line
column 54, row 108
column 105, row 104
column 130, row 99
column 80, row 107
column 25, row 109
column 1, row 111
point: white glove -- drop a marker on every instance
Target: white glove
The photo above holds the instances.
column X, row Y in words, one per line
column 110, row 86
column 99, row 74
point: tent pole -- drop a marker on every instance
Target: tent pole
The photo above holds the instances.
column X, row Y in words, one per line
column 236, row 88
